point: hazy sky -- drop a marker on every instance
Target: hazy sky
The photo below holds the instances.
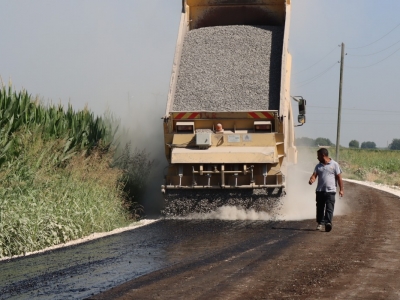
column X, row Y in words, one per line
column 119, row 54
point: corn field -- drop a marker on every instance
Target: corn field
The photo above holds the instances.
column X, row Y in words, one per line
column 59, row 179
column 79, row 130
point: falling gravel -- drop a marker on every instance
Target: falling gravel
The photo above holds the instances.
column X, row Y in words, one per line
column 230, row 68
column 184, row 202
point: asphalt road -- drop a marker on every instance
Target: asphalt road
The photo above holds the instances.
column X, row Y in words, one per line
column 214, row 259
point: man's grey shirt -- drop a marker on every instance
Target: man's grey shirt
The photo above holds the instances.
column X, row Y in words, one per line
column 327, row 181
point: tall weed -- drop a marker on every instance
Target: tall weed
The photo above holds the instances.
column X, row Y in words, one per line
column 59, row 179
column 136, row 167
column 42, row 204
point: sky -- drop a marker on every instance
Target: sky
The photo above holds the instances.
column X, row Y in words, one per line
column 370, row 32
column 118, row 55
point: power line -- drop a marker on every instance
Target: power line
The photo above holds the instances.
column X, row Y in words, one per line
column 377, row 39
column 358, row 109
column 316, row 62
column 367, row 113
column 315, row 77
column 352, row 123
column 374, row 63
column 374, row 52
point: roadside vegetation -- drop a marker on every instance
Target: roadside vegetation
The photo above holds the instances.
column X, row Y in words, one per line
column 379, row 166
column 61, row 175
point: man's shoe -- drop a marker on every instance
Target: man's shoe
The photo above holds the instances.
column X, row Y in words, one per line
column 319, row 227
column 328, row 227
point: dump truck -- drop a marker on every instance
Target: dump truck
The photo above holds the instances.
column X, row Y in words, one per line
column 229, row 124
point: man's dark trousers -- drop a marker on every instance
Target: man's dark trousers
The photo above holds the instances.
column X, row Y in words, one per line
column 325, row 206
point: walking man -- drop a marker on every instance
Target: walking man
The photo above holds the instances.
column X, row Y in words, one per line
column 329, row 176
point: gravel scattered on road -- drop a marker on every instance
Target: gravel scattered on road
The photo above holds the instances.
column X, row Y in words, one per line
column 179, row 203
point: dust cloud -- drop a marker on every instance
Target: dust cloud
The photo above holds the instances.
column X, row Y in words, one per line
column 297, row 204
column 142, row 124
column 232, row 213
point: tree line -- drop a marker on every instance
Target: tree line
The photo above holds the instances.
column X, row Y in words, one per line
column 394, row 145
column 309, row 142
column 305, row 141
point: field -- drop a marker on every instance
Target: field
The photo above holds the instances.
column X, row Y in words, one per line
column 379, row 166
column 61, row 177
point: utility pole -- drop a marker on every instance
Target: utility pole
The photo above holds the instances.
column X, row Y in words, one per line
column 340, row 105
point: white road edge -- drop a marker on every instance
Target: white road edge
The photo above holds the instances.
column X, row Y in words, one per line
column 93, row 236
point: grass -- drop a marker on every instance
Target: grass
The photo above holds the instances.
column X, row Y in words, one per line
column 42, row 205
column 379, row 166
column 59, row 179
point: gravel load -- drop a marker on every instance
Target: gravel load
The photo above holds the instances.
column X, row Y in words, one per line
column 227, row 68
column 230, row 68
column 204, row 131
column 184, row 202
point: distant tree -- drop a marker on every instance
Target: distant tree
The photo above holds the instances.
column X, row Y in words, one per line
column 354, row 144
column 395, row 145
column 305, row 141
column 368, row 145
column 323, row 142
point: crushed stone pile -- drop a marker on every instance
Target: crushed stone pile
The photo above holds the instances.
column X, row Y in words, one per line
column 230, row 68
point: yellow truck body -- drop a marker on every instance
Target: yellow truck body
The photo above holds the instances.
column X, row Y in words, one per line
column 255, row 146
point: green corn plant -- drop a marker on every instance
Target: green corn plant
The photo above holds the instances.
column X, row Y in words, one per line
column 81, row 130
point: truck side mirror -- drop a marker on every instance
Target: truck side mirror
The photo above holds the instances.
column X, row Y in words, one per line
column 302, row 107
column 301, row 119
